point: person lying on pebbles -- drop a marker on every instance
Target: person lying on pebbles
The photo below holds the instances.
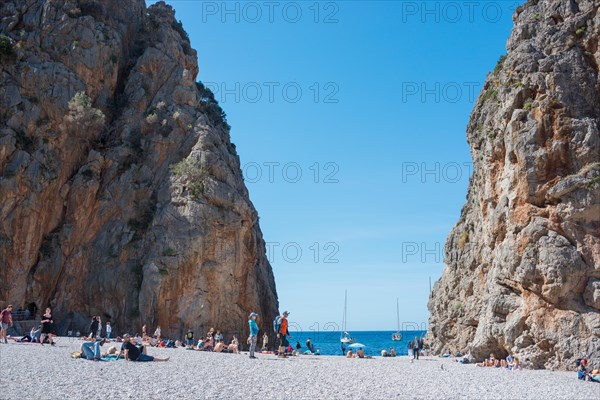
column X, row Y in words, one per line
column 132, row 352
column 91, row 350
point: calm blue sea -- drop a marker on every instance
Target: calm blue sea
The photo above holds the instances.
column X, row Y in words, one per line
column 375, row 341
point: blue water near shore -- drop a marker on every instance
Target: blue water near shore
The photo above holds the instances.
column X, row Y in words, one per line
column 375, row 341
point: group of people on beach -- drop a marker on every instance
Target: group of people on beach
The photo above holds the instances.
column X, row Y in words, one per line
column 130, row 351
column 134, row 348
column 211, row 342
column 584, row 370
column 510, row 362
column 44, row 333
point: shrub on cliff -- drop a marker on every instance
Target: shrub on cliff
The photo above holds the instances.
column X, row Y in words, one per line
column 192, row 173
column 210, row 107
column 6, row 45
column 81, row 110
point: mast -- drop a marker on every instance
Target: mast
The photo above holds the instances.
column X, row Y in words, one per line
column 398, row 314
column 345, row 309
column 344, row 316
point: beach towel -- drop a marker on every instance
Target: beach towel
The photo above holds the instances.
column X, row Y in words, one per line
column 111, row 357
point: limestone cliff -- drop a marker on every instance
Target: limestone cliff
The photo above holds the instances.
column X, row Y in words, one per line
column 121, row 193
column 523, row 262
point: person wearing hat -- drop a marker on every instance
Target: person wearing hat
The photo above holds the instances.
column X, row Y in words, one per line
column 253, row 333
column 283, row 334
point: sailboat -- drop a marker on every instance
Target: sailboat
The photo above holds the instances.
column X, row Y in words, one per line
column 397, row 336
column 345, row 337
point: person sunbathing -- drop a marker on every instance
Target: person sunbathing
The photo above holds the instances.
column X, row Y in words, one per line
column 209, row 344
column 509, row 362
column 219, row 347
column 516, row 364
column 91, row 350
column 489, row 362
column 350, row 354
column 132, row 352
column 234, row 346
column 360, row 353
column 492, row 361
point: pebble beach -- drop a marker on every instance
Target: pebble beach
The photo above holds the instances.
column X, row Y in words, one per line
column 32, row 371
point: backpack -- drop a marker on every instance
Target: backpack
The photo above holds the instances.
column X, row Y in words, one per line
column 578, row 362
column 277, row 324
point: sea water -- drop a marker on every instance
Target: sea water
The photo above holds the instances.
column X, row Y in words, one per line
column 329, row 342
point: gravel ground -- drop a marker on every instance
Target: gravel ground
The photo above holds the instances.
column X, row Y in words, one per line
column 36, row 372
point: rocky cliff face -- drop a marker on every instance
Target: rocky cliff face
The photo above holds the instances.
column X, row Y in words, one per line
column 121, row 194
column 523, row 262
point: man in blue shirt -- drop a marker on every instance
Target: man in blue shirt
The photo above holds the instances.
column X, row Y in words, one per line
column 253, row 333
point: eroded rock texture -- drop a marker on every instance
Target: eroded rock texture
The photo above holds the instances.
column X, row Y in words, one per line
column 523, row 262
column 121, row 194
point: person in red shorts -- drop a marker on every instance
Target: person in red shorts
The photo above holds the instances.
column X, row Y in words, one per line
column 283, row 334
column 5, row 322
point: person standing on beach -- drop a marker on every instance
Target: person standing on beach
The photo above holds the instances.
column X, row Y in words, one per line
column 415, row 347
column 99, row 326
column 47, row 327
column 265, row 342
column 310, row 346
column 94, row 327
column 282, row 334
column 108, row 329
column 157, row 333
column 6, row 321
column 253, row 333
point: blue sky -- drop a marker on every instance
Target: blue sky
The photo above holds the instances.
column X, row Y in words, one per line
column 349, row 118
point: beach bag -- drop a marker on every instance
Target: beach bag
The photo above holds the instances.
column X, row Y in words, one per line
column 277, row 324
